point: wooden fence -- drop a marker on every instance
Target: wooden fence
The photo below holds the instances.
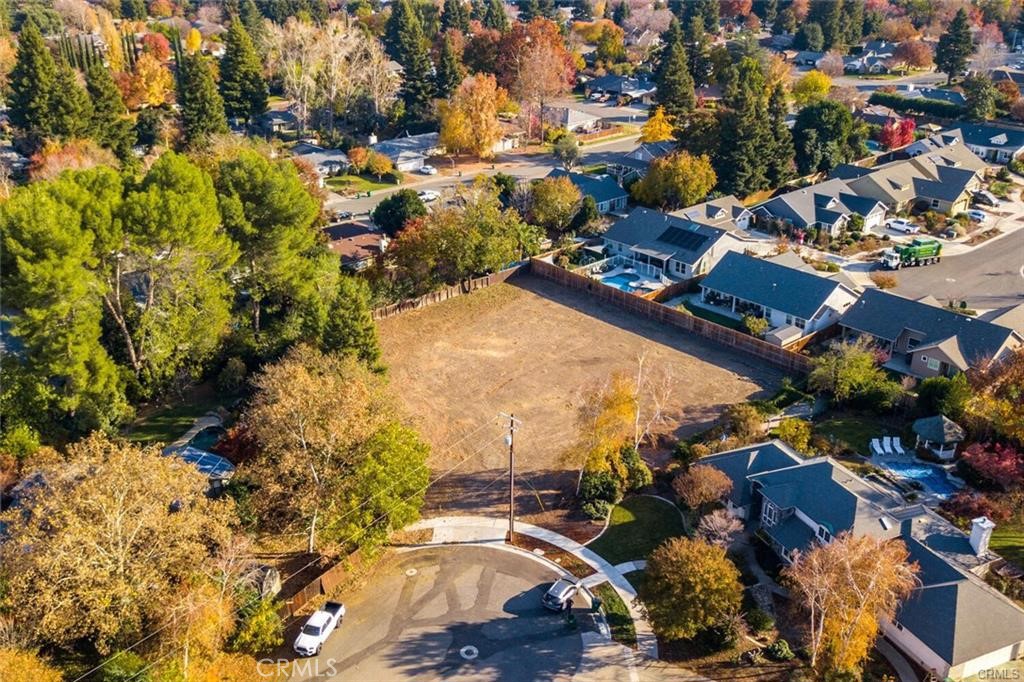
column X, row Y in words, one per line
column 790, row 362
column 321, row 585
column 454, row 291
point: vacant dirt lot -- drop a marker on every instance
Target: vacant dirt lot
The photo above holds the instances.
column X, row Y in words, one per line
column 530, row 347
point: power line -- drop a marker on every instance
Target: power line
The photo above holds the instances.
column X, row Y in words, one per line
column 315, row 560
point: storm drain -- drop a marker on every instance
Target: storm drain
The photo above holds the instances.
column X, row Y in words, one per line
column 469, row 652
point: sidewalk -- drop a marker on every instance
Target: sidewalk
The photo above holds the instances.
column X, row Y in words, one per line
column 478, row 529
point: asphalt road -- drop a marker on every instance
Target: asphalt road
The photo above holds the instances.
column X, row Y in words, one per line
column 453, row 613
column 991, row 276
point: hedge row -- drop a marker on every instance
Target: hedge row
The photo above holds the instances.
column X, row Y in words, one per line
column 921, row 105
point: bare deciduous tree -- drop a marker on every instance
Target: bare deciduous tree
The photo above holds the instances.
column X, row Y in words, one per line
column 719, row 528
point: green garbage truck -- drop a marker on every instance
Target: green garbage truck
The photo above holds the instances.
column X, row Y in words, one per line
column 921, row 251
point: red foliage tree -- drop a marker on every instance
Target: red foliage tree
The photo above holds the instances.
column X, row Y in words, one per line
column 736, row 8
column 157, row 45
column 1001, row 466
column 965, row 506
column 897, row 133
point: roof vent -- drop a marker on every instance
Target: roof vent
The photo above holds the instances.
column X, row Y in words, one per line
column 981, row 533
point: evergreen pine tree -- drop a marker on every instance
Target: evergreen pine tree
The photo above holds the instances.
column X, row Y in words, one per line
column 767, row 10
column 745, row 133
column 109, row 125
column 252, row 19
column 698, row 48
column 828, row 15
column 621, row 13
column 31, row 85
column 411, row 52
column 528, row 10
column 496, row 17
column 672, row 35
column 70, row 108
column 202, row 109
column 852, row 18
column 241, row 75
column 478, row 10
column 955, row 46
column 675, row 89
column 350, row 328
column 708, row 11
column 133, row 9
column 548, row 10
column 449, row 71
column 455, row 16
column 582, row 11
column 779, row 159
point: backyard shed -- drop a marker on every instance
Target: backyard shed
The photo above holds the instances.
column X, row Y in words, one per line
column 939, row 434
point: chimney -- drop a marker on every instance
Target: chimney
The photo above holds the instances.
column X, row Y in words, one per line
column 981, row 533
column 383, row 243
column 372, row 139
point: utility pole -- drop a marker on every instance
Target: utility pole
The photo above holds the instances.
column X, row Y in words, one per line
column 510, row 440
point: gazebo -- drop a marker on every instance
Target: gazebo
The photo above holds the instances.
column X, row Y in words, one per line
column 939, row 434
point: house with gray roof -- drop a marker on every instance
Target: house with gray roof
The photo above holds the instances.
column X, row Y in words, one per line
column 573, row 120
column 795, row 302
column 409, row 152
column 725, row 213
column 326, row 162
column 608, row 194
column 925, row 340
column 624, row 88
column 991, row 142
column 680, row 248
column 952, row 625
column 827, row 206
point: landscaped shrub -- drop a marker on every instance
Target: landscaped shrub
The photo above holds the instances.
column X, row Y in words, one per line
column 232, row 377
column 638, row 474
column 596, row 509
column 759, row 620
column 684, row 454
column 755, row 326
column 719, row 637
column 599, row 485
column 260, row 628
column 935, row 107
column 779, row 651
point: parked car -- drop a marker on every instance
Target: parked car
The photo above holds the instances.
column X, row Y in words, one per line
column 428, row 195
column 985, row 198
column 595, row 96
column 977, row 216
column 318, row 628
column 901, row 225
column 559, row 594
column 428, row 170
column 342, row 215
column 950, row 234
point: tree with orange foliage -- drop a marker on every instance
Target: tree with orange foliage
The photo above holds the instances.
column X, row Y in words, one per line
column 157, row 45
column 55, row 157
column 845, row 587
column 533, row 63
column 161, row 9
column 149, row 84
column 996, row 407
column 469, row 119
column 701, row 485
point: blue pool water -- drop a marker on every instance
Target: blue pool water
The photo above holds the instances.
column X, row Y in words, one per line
column 622, row 281
column 931, row 477
column 207, row 438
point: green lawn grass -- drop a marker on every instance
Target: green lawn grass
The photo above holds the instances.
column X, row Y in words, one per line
column 167, row 423
column 1008, row 542
column 637, row 526
column 355, row 183
column 712, row 316
column 619, row 620
column 855, row 431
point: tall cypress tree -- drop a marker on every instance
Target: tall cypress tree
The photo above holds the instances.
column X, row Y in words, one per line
column 252, row 19
column 675, row 89
column 745, row 135
column 202, row 109
column 70, row 108
column 410, row 51
column 709, row 12
column 621, row 13
column 496, row 17
column 455, row 16
column 31, row 84
column 828, row 15
column 779, row 158
column 698, row 48
column 109, row 125
column 241, row 75
column 449, row 71
column 955, row 46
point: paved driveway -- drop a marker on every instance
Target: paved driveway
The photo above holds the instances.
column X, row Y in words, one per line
column 453, row 613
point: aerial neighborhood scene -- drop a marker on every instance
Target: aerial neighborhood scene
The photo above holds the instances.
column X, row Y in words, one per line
column 527, row 340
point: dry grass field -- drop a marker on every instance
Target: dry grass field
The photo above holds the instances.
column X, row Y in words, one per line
column 531, row 347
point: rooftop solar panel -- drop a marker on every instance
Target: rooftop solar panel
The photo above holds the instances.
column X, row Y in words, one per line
column 684, row 239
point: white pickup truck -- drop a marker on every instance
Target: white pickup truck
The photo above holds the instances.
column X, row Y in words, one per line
column 318, row 628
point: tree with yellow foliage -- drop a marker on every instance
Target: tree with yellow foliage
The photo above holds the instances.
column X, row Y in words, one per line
column 676, row 180
column 845, row 587
column 25, row 666
column 150, row 84
column 813, row 86
column 193, row 41
column 658, row 128
column 469, row 120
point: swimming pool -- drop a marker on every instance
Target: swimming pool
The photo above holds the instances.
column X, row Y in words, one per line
column 622, row 281
column 207, row 438
column 932, row 477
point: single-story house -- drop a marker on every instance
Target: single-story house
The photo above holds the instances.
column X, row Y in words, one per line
column 827, row 206
column 912, row 91
column 278, row 122
column 1005, row 73
column 623, row 88
column 608, row 195
column 726, row 213
column 681, row 248
column 410, row 152
column 357, row 243
column 874, row 57
column 573, row 120
column 634, row 164
column 808, row 58
column 953, row 624
column 993, row 143
column 786, row 297
column 877, row 114
column 326, row 162
column 939, row 434
column 925, row 340
column 940, row 180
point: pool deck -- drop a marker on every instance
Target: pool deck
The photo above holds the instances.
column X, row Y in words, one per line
column 626, row 270
column 931, row 497
column 206, row 421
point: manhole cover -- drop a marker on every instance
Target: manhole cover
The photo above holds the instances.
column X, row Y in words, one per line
column 411, row 572
column 469, row 652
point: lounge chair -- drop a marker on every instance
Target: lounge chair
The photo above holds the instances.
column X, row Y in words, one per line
column 876, row 447
column 898, row 446
column 887, row 446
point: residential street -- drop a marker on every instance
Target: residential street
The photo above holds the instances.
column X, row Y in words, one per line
column 990, row 276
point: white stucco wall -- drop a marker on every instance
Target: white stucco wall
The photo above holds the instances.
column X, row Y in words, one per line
column 914, row 649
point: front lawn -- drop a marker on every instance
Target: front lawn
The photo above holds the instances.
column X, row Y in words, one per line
column 637, row 526
column 619, row 620
column 356, row 183
column 1008, row 542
